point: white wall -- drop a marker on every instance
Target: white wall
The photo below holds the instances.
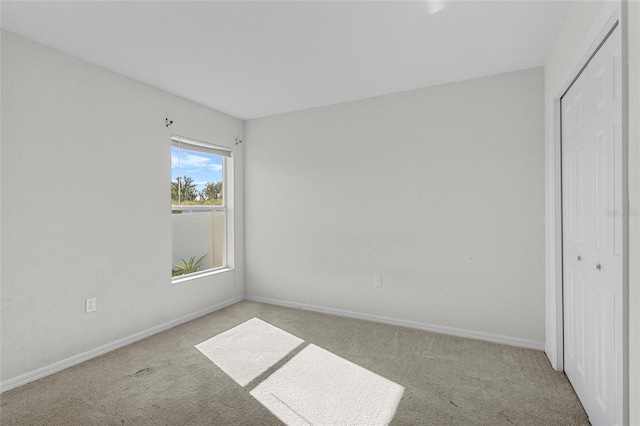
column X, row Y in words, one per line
column 86, row 209
column 439, row 190
column 582, row 16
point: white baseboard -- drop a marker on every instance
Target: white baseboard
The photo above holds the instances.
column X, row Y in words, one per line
column 85, row 356
column 477, row 335
column 23, row 379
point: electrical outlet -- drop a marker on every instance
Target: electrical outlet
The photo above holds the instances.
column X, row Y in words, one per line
column 377, row 281
column 90, row 304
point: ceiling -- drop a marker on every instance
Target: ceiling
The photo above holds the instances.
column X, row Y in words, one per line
column 254, row 59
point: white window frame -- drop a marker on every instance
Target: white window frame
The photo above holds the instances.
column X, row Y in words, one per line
column 227, row 161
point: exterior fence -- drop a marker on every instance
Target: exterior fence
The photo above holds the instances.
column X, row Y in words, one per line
column 198, row 233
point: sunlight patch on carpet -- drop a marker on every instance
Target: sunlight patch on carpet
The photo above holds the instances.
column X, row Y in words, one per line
column 249, row 349
column 317, row 387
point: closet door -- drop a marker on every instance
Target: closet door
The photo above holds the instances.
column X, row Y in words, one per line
column 592, row 234
column 577, row 179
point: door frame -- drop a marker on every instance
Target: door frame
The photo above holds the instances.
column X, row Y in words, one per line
column 611, row 13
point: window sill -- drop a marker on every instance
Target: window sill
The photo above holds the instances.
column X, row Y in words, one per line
column 194, row 276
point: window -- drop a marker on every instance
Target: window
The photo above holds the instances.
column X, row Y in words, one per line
column 198, row 207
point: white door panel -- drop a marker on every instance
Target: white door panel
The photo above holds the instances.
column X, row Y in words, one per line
column 592, row 234
column 576, row 232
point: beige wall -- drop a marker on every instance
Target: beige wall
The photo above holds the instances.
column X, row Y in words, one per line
column 439, row 190
column 85, row 206
column 576, row 30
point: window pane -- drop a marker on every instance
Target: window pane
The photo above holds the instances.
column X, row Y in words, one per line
column 198, row 241
column 198, row 234
column 196, row 178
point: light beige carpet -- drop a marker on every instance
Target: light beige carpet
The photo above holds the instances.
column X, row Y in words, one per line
column 166, row 380
column 317, row 387
column 249, row 349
